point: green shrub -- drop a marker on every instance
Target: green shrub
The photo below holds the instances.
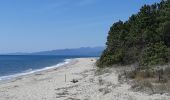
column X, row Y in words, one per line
column 108, row 59
column 154, row 54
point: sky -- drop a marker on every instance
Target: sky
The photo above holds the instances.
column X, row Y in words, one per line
column 38, row 25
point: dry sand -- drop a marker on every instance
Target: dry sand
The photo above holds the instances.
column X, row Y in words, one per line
column 91, row 85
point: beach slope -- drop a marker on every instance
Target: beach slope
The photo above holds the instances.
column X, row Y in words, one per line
column 78, row 80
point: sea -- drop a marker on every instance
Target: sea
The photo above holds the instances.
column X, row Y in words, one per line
column 12, row 66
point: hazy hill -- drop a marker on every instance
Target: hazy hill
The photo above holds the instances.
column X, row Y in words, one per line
column 83, row 51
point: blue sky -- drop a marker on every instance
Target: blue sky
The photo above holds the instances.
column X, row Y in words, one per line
column 37, row 25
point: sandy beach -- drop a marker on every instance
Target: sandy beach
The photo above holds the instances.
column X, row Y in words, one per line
column 55, row 84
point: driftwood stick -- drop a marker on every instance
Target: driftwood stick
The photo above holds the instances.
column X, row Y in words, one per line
column 65, row 78
column 125, row 74
column 160, row 74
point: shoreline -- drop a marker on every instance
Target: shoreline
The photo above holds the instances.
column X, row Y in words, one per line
column 17, row 76
column 56, row 84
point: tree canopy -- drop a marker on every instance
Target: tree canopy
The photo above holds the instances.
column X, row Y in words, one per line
column 144, row 38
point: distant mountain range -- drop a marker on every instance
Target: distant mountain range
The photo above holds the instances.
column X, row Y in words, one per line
column 83, row 51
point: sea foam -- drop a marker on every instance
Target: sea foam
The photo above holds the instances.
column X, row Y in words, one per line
column 30, row 71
